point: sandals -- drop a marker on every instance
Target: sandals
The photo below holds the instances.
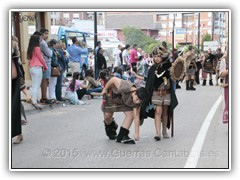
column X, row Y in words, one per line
column 19, row 139
column 55, row 101
column 46, row 101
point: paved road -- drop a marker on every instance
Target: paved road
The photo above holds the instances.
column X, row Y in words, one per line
column 74, row 137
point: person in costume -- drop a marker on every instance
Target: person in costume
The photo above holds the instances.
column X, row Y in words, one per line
column 224, row 75
column 162, row 99
column 219, row 55
column 191, row 67
column 122, row 96
column 208, row 67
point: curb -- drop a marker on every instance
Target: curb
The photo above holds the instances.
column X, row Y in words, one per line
column 29, row 109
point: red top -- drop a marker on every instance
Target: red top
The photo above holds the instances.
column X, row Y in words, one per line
column 133, row 54
column 37, row 59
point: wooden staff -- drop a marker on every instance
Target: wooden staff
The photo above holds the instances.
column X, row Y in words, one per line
column 172, row 126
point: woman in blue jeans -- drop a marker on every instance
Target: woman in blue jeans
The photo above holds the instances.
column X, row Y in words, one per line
column 93, row 85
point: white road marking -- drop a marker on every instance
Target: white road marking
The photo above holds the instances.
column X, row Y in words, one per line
column 197, row 146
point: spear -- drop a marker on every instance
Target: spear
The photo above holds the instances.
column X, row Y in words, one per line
column 172, row 126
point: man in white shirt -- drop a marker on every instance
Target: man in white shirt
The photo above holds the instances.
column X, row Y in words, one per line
column 117, row 62
column 125, row 57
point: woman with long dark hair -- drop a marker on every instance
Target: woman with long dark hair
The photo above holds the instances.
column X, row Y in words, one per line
column 37, row 65
column 101, row 61
column 71, row 91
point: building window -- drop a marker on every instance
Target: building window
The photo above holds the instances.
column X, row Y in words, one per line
column 209, row 23
column 65, row 15
column 209, row 14
column 75, row 16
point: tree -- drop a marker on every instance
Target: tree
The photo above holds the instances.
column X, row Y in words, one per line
column 136, row 36
column 206, row 37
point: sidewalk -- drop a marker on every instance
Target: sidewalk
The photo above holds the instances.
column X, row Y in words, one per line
column 30, row 109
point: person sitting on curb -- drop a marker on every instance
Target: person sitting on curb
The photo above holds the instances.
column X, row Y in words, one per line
column 71, row 90
column 93, row 85
column 122, row 96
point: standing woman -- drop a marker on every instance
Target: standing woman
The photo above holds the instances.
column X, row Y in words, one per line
column 223, row 72
column 37, row 65
column 162, row 99
column 101, row 61
column 54, row 63
column 16, row 98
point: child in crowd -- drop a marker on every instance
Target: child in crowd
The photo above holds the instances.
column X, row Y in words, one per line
column 162, row 98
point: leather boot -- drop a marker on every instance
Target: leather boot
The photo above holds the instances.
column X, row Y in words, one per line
column 204, row 82
column 187, row 85
column 123, row 137
column 111, row 129
column 210, row 82
column 191, row 85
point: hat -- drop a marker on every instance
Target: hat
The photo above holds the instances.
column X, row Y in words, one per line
column 160, row 50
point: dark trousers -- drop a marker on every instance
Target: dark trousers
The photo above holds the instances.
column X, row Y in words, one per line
column 81, row 93
column 197, row 77
column 134, row 64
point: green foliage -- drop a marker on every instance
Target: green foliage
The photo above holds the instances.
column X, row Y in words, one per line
column 136, row 36
column 206, row 37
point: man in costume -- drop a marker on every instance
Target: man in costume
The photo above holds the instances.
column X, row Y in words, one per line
column 208, row 67
column 190, row 67
column 219, row 55
column 162, row 99
column 122, row 96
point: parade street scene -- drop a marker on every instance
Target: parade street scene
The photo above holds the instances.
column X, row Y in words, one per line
column 120, row 90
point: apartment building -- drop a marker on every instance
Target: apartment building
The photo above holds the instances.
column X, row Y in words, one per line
column 186, row 26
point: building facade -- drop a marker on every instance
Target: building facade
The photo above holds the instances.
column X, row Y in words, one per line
column 187, row 26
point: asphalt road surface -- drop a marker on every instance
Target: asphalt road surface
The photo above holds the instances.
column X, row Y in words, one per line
column 74, row 137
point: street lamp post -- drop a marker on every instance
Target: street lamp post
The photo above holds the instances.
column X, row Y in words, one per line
column 95, row 43
column 186, row 27
column 199, row 32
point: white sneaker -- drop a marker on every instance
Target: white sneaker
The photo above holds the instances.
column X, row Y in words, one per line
column 81, row 102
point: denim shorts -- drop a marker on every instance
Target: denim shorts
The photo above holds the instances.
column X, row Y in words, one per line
column 47, row 73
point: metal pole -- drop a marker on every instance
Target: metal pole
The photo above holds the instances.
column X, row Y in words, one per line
column 186, row 28
column 213, row 17
column 173, row 36
column 95, row 43
column 199, row 32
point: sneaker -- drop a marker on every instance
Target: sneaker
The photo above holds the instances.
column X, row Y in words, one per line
column 81, row 102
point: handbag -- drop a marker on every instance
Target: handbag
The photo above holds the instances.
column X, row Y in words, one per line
column 55, row 71
column 14, row 70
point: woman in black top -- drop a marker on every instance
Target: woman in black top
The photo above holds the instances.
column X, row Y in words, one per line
column 16, row 129
column 101, row 61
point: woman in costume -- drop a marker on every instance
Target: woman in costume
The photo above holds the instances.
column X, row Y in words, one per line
column 191, row 67
column 122, row 96
column 162, row 99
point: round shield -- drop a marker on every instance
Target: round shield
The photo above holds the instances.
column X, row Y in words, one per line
column 177, row 69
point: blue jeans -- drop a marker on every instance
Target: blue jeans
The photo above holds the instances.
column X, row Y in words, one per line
column 59, row 87
column 98, row 90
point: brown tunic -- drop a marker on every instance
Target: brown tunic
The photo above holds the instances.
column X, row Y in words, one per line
column 119, row 100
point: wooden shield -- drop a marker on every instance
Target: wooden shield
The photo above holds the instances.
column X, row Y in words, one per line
column 177, row 69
